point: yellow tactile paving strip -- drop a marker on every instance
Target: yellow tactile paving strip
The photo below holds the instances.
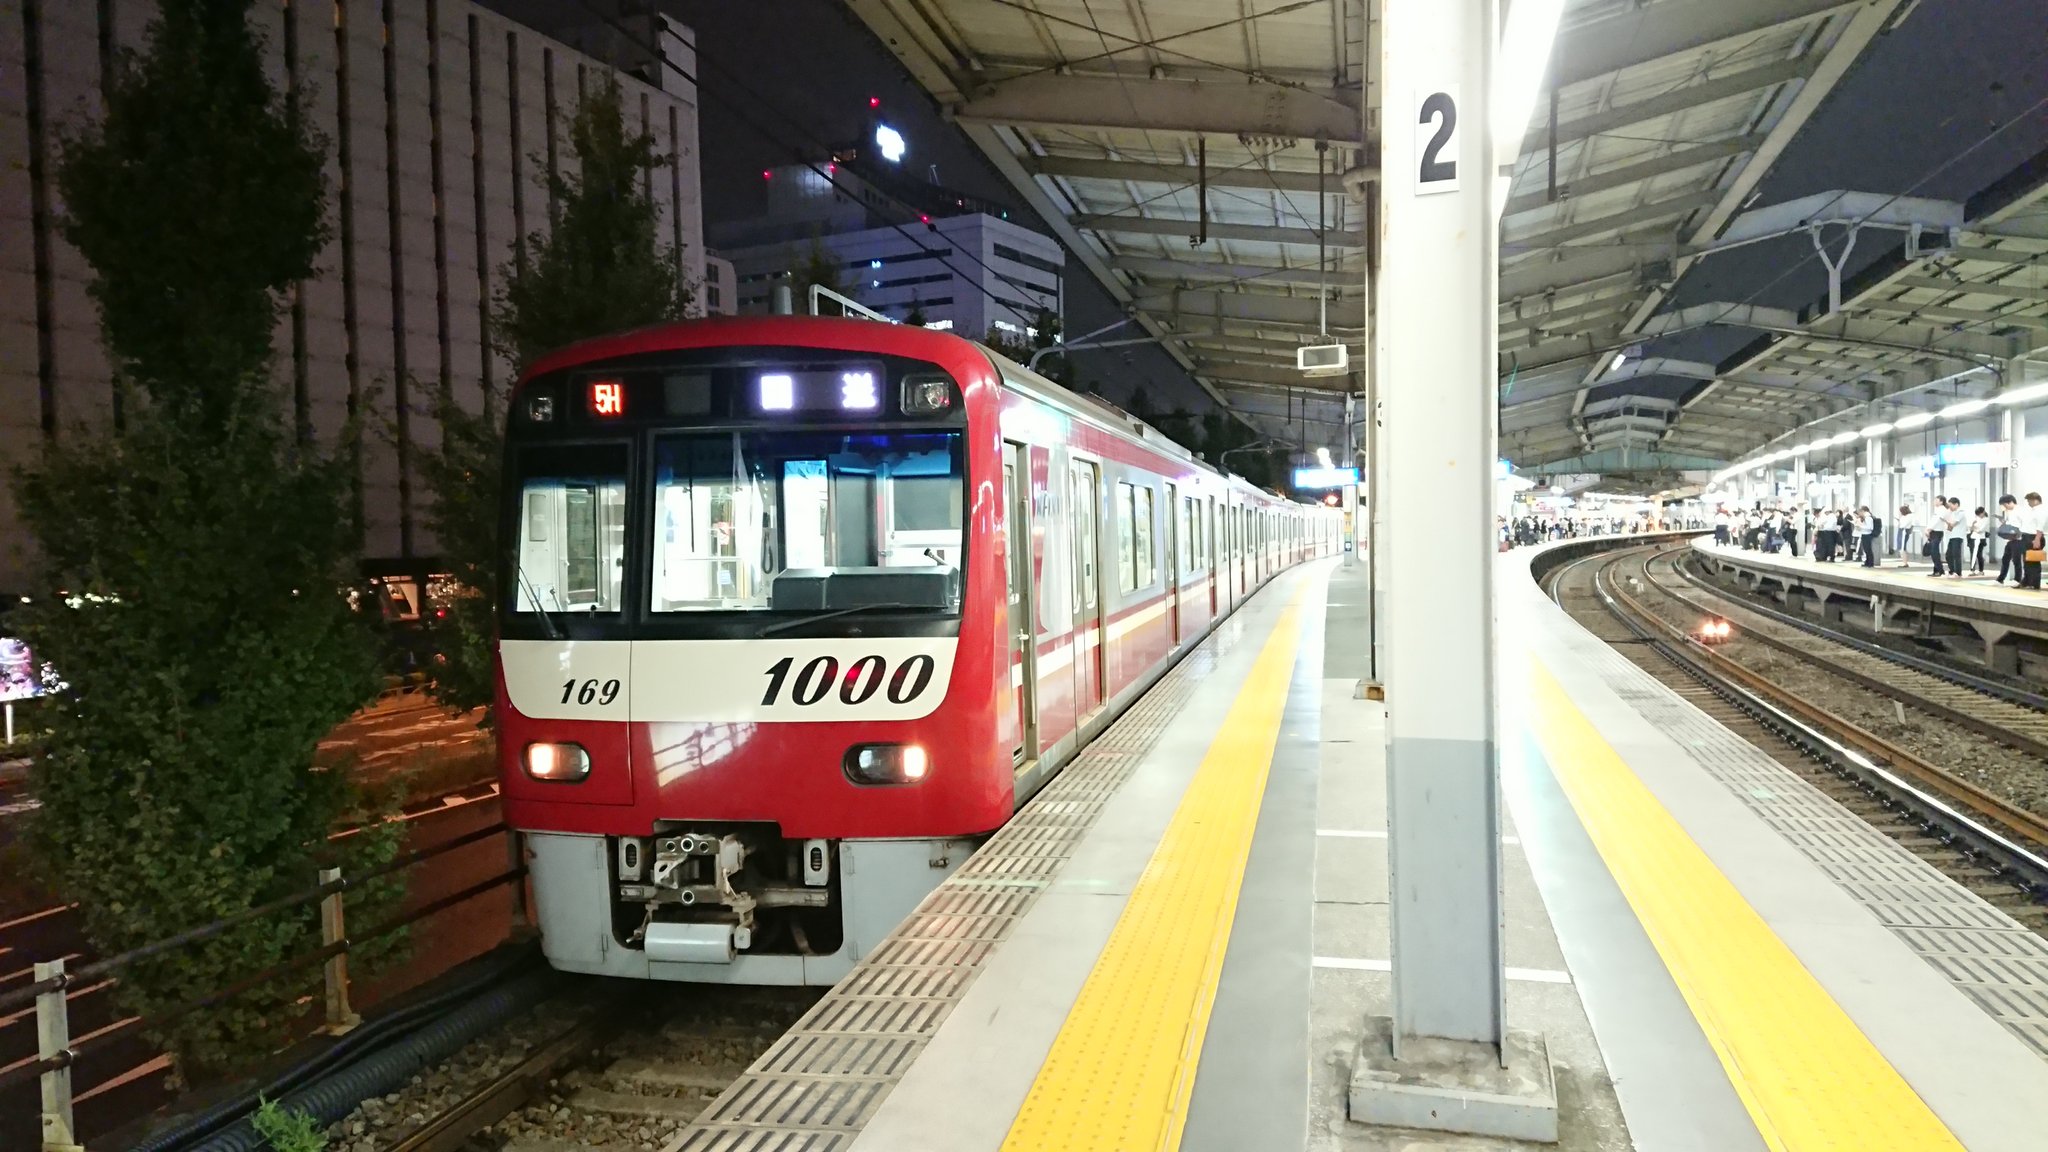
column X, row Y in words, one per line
column 1122, row 1068
column 1809, row 1077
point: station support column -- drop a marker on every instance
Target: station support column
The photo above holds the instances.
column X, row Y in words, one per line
column 1444, row 1058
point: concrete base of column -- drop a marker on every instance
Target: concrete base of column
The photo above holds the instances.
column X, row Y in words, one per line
column 1370, row 690
column 1454, row 1085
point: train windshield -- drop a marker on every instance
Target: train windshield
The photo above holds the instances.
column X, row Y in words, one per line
column 808, row 521
column 572, row 528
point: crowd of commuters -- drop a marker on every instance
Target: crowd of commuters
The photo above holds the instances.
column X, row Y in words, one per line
column 1954, row 541
column 1540, row 529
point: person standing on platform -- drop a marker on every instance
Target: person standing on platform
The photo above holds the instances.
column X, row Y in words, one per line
column 1906, row 533
column 2008, row 533
column 1795, row 528
column 1825, row 533
column 1952, row 536
column 1867, row 528
column 1980, row 539
column 2031, row 538
column 1939, row 527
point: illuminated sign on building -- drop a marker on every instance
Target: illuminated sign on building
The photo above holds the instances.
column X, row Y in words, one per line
column 1324, row 477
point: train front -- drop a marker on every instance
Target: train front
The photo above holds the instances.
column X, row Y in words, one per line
column 751, row 622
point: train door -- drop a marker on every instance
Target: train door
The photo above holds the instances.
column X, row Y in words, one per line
column 1023, row 649
column 1171, row 523
column 1086, row 483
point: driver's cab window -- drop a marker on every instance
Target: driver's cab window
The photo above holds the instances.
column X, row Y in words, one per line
column 572, row 530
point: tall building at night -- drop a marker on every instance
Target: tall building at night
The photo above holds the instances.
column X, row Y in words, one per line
column 963, row 265
column 445, row 123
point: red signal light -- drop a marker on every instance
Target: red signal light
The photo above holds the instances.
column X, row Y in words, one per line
column 874, row 101
column 607, row 398
column 767, row 174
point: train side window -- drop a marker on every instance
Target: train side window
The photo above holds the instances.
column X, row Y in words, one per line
column 1142, row 549
column 1187, row 534
column 1126, row 537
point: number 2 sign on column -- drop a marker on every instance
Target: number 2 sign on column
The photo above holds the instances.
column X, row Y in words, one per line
column 1436, row 140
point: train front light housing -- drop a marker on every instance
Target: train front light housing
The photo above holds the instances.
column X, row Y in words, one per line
column 886, row 764
column 926, row 395
column 556, row 763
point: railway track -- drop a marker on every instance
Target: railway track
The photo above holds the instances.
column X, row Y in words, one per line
column 626, row 1070
column 2004, row 713
column 1996, row 849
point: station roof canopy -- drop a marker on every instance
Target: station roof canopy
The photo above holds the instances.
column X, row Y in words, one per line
column 1691, row 172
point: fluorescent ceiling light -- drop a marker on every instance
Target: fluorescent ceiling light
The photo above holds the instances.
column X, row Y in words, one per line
column 1963, row 408
column 1799, row 450
column 1819, row 445
column 1923, row 419
column 1843, row 438
column 2025, row 395
column 1620, row 358
column 1525, row 45
column 1873, row 431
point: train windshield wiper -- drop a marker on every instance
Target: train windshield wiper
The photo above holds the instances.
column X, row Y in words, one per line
column 885, row 606
column 547, row 619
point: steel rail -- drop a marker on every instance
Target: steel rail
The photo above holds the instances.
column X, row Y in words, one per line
column 1904, row 693
column 1926, row 789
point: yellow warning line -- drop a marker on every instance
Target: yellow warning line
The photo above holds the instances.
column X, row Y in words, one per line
column 1809, row 1077
column 1122, row 1068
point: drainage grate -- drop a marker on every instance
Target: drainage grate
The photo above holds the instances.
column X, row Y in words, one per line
column 2000, row 965
column 821, row 1083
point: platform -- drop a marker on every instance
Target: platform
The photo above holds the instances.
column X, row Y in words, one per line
column 2004, row 627
column 1176, row 944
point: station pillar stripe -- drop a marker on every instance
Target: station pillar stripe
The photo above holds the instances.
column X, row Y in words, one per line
column 1809, row 1077
column 1122, row 1068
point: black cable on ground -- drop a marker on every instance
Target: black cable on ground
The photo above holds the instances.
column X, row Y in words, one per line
column 365, row 1061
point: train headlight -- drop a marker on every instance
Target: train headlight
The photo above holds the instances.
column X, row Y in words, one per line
column 556, row 763
column 886, row 764
column 924, row 395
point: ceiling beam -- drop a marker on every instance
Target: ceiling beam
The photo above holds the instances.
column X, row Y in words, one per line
column 1956, row 315
column 1562, row 269
column 1181, row 175
column 1974, row 287
column 1154, row 268
column 1257, row 233
column 1254, row 306
column 1050, row 100
column 1680, row 99
column 1612, row 222
column 1674, row 161
column 1646, row 34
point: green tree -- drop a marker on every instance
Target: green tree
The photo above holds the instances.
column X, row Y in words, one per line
column 199, row 557
column 601, row 269
column 816, row 266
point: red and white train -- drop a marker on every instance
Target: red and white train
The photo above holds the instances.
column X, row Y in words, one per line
column 798, row 610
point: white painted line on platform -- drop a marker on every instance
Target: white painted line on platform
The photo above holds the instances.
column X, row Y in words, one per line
column 1529, row 975
column 1378, row 834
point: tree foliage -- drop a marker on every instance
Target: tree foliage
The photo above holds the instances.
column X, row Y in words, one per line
column 200, row 557
column 817, row 266
column 602, row 268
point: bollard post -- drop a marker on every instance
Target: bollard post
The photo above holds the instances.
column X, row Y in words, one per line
column 332, row 931
column 53, row 1042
